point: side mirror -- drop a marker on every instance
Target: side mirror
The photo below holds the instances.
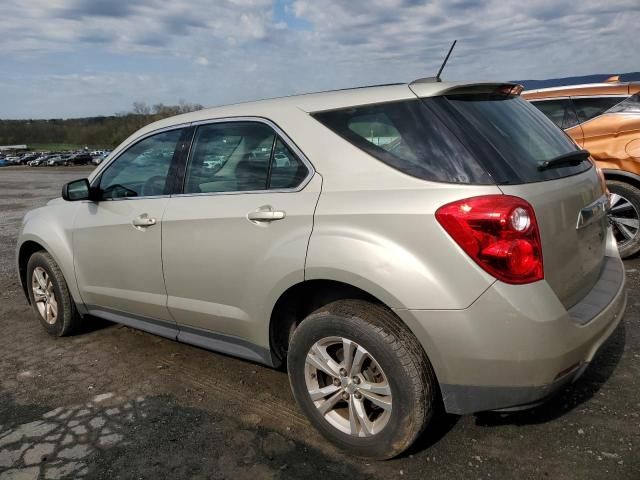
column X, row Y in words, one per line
column 77, row 190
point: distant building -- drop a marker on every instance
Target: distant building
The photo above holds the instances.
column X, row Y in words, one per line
column 12, row 148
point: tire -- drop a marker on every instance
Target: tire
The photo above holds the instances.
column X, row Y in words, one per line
column 66, row 318
column 395, row 359
column 625, row 198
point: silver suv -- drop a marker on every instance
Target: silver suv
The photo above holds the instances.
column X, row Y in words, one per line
column 395, row 247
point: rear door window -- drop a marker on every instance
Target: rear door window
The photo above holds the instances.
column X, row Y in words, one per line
column 559, row 111
column 407, row 137
column 588, row 108
column 229, row 157
column 241, row 156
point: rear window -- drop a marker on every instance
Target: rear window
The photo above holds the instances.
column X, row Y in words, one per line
column 470, row 138
column 509, row 136
column 406, row 136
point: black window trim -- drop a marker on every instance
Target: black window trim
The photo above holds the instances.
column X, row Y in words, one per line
column 286, row 140
column 94, row 182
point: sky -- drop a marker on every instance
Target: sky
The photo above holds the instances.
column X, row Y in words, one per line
column 75, row 58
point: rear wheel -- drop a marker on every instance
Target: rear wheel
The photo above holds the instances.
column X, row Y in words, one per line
column 624, row 216
column 362, row 378
column 49, row 295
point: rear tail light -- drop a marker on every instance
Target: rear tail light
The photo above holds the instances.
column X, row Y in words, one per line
column 499, row 232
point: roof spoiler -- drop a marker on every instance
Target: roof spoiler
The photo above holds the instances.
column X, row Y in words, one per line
column 422, row 88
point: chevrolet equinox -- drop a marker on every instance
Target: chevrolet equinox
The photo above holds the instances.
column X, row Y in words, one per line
column 394, row 247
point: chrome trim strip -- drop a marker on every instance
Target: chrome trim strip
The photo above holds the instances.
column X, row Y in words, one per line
column 593, row 212
column 621, row 95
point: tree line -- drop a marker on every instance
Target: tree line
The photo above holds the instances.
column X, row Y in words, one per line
column 98, row 132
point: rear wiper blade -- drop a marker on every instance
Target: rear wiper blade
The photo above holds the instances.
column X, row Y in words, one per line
column 572, row 158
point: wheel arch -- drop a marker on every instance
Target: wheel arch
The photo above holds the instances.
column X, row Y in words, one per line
column 31, row 243
column 26, row 250
column 622, row 176
column 298, row 301
column 301, row 299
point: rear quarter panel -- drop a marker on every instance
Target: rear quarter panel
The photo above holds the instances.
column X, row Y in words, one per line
column 388, row 243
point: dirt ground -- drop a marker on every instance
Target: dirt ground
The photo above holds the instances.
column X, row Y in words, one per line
column 115, row 403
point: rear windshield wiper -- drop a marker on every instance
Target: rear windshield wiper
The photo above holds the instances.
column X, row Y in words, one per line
column 572, row 158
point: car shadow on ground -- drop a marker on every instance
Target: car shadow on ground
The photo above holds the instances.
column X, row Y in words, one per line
column 150, row 437
column 91, row 324
column 573, row 395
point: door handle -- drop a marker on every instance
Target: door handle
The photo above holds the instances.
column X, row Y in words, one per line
column 143, row 221
column 266, row 214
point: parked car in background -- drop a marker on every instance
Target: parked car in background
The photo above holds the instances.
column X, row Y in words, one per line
column 5, row 163
column 38, row 161
column 58, row 160
column 82, row 158
column 472, row 266
column 98, row 159
column 27, row 158
column 604, row 119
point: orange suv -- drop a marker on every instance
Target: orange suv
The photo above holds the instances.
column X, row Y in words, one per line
column 604, row 118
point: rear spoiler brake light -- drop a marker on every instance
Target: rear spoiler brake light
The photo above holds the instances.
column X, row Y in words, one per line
column 507, row 89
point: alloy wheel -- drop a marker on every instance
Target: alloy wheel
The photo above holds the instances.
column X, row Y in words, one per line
column 44, row 295
column 625, row 219
column 348, row 387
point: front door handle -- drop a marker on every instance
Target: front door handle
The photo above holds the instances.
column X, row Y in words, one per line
column 143, row 221
column 266, row 214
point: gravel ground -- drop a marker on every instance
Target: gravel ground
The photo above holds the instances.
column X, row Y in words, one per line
column 113, row 402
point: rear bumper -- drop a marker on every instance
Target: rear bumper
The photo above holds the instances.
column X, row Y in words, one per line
column 517, row 344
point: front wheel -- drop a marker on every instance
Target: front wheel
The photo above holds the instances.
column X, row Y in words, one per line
column 50, row 298
column 624, row 216
column 362, row 378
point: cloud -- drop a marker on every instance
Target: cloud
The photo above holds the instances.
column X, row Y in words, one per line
column 263, row 48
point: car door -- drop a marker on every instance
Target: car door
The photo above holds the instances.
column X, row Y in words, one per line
column 236, row 237
column 117, row 239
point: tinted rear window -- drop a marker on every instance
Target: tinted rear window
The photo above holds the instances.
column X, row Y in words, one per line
column 407, row 136
column 509, row 136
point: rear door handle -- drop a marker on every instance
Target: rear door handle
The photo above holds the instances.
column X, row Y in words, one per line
column 143, row 221
column 266, row 214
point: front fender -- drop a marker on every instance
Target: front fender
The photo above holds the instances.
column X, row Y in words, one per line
column 51, row 227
